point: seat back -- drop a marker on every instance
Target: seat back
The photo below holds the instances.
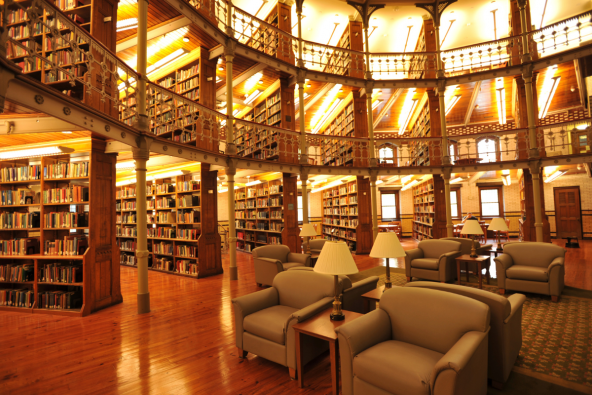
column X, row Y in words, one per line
column 301, row 288
column 317, row 244
column 465, row 244
column 533, row 253
column 432, row 319
column 279, row 252
column 434, row 248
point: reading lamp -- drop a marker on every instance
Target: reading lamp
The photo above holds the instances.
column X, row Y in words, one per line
column 387, row 245
column 472, row 228
column 307, row 231
column 336, row 259
column 499, row 225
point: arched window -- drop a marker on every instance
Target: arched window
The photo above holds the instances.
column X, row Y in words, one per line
column 386, row 153
column 488, row 149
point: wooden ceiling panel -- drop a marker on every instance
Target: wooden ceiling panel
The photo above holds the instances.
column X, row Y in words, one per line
column 564, row 98
column 36, row 138
column 159, row 11
column 391, row 121
column 268, row 78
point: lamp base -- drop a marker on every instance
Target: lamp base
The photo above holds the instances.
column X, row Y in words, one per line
column 337, row 317
column 499, row 249
column 473, row 256
column 387, row 285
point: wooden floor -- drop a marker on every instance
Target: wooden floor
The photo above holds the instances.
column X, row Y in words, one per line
column 184, row 346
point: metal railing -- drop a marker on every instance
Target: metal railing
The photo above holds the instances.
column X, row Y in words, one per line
column 563, row 35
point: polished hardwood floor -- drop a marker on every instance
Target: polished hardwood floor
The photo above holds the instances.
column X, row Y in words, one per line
column 184, row 346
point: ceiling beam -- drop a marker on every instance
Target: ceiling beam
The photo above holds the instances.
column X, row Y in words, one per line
column 42, row 124
column 475, row 177
column 216, row 52
column 221, row 93
column 474, row 95
column 155, row 31
column 320, row 93
column 387, row 106
column 588, row 168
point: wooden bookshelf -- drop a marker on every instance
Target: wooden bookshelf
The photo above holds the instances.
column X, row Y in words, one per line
column 174, row 224
column 419, row 153
column 72, row 224
column 429, row 210
column 346, row 215
column 342, row 125
column 352, row 38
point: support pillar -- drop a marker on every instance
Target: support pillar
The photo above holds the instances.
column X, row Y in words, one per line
column 303, row 145
column 535, row 171
column 230, row 173
column 442, row 110
column 526, row 57
column 369, row 85
column 304, row 181
column 533, row 149
column 229, row 53
column 373, row 197
column 141, row 156
column 449, row 226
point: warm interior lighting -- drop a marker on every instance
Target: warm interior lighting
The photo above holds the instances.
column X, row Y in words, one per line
column 412, row 183
column 506, row 179
column 249, row 99
column 452, row 103
column 376, row 104
column 457, row 179
column 547, row 96
column 327, row 115
column 324, row 107
column 178, row 54
column 408, row 117
column 128, row 2
column 406, row 179
column 501, row 100
column 127, row 24
column 555, row 175
column 252, row 82
column 35, row 152
column 250, row 184
column 167, row 174
column 125, row 165
column 407, row 110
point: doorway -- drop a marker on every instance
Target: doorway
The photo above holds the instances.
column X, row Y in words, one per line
column 568, row 212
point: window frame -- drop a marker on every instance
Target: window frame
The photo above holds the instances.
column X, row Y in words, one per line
column 453, row 146
column 393, row 160
column 299, row 208
column 500, row 195
column 458, row 201
column 397, row 205
column 498, row 152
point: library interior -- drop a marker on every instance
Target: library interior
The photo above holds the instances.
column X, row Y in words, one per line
column 223, row 196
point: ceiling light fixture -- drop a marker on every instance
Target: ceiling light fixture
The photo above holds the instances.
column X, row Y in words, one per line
column 547, row 95
column 127, row 24
column 456, row 180
column 253, row 96
column 252, row 81
column 185, row 39
column 35, row 152
column 376, row 104
column 408, row 186
column 407, row 118
column 322, row 111
column 167, row 174
column 452, row 103
column 125, row 165
column 250, row 184
column 501, row 101
column 406, row 179
column 555, row 175
column 178, row 54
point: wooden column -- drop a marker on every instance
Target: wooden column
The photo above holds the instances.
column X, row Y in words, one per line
column 291, row 232
column 207, row 97
column 285, row 52
column 439, row 228
column 435, row 125
column 360, row 128
column 356, row 40
column 364, row 239
column 288, row 144
column 209, row 242
column 528, row 223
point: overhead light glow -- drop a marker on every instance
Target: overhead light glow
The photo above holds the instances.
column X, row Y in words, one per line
column 167, row 174
column 325, row 105
column 456, row 180
column 412, row 183
column 125, row 165
column 548, row 91
column 250, row 184
column 326, row 115
column 127, row 24
column 178, row 54
column 35, row 152
column 253, row 81
column 501, row 100
column 555, row 175
column 407, row 111
column 253, row 96
column 376, row 104
column 452, row 103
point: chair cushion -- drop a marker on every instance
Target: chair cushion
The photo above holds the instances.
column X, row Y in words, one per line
column 397, row 367
column 530, row 273
column 425, row 263
column 289, row 265
column 269, row 323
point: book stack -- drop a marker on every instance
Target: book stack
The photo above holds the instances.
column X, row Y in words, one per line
column 25, row 246
column 19, row 220
column 70, row 245
column 17, row 297
column 189, row 201
column 66, row 220
column 22, row 173
column 60, row 300
column 187, row 251
column 186, row 267
column 70, row 194
column 162, row 263
column 58, row 273
column 17, row 273
column 66, row 170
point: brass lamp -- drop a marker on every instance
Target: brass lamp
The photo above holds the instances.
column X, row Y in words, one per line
column 472, row 227
column 307, row 231
column 336, row 259
column 499, row 225
column 387, row 245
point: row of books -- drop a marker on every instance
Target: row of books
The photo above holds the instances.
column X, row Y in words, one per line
column 19, row 220
column 70, row 194
column 186, row 267
column 18, row 197
column 66, row 220
column 186, row 251
column 60, row 300
column 128, row 245
column 20, row 32
column 188, row 186
column 70, row 245
column 60, row 273
column 17, row 273
column 189, row 201
column 17, row 297
column 17, row 16
column 188, row 217
column 126, row 232
column 163, row 248
column 66, row 170
column 21, row 173
column 22, row 246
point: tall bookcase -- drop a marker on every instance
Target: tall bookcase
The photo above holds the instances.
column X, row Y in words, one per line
column 429, row 209
column 419, row 152
column 98, row 17
column 346, row 215
column 352, row 38
column 266, row 214
column 342, row 125
column 58, row 234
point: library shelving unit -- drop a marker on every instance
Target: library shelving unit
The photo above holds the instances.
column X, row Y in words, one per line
column 277, row 110
column 280, row 17
column 429, row 209
column 58, row 233
column 97, row 17
column 174, row 224
column 342, row 125
column 420, row 153
column 346, row 215
column 352, row 38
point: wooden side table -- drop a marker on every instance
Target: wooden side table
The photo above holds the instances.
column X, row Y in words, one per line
column 479, row 260
column 372, row 296
column 321, row 326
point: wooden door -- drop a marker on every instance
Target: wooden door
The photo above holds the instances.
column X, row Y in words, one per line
column 568, row 213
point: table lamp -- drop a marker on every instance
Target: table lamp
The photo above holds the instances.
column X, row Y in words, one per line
column 307, row 231
column 387, row 245
column 499, row 225
column 336, row 259
column 473, row 228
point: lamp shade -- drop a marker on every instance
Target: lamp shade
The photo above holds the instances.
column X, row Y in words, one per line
column 335, row 258
column 471, row 227
column 498, row 224
column 387, row 245
column 308, row 230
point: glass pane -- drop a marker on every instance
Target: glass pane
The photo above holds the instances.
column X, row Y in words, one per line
column 388, row 199
column 385, row 153
column 487, row 150
column 453, row 197
column 489, row 196
column 454, row 210
column 389, row 212
column 300, row 215
column 490, row 209
column 583, row 140
column 300, row 202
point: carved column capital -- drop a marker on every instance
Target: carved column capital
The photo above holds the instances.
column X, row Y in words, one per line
column 535, row 168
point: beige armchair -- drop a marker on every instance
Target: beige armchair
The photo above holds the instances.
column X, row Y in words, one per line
column 531, row 267
column 264, row 319
column 316, row 245
column 505, row 337
column 433, row 260
column 271, row 260
column 419, row 341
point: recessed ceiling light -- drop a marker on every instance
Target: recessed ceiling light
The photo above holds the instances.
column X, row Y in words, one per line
column 66, row 132
column 260, row 81
column 469, row 24
column 221, row 68
column 384, row 35
column 308, row 85
column 185, row 39
column 219, row 60
column 341, row 90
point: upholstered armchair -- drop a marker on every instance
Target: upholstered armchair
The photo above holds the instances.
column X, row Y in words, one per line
column 505, row 336
column 419, row 341
column 264, row 319
column 433, row 260
column 316, row 245
column 531, row 267
column 273, row 259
